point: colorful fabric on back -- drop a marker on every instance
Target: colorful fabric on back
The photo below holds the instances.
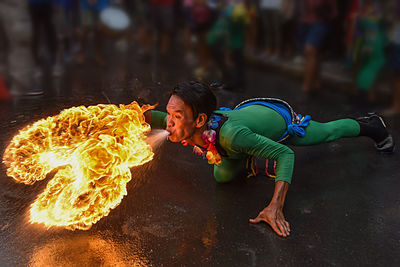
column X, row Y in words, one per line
column 295, row 123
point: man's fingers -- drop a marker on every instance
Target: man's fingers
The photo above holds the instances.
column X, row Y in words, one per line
column 256, row 220
column 271, row 223
column 287, row 225
column 282, row 228
column 275, row 227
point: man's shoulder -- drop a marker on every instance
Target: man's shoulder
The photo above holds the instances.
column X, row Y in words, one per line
column 229, row 130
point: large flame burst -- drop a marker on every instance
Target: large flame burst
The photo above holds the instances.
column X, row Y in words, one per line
column 92, row 148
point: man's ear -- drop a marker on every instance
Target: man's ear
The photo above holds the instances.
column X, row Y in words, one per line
column 201, row 120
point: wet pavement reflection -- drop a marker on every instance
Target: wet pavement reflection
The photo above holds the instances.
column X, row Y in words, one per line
column 86, row 250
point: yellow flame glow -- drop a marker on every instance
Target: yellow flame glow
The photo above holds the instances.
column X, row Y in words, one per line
column 92, row 149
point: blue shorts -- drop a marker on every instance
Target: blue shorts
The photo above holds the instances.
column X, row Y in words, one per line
column 313, row 34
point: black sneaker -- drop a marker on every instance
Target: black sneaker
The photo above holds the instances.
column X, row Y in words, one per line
column 374, row 127
column 387, row 145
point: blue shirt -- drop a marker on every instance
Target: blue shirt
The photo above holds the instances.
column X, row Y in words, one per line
column 101, row 4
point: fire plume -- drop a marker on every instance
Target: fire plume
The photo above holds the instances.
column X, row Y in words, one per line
column 92, row 149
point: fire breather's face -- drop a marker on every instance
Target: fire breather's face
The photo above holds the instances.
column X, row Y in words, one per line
column 180, row 121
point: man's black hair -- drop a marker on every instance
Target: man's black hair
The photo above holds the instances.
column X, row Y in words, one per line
column 197, row 95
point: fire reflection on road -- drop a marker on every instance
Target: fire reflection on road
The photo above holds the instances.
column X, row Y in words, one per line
column 86, row 251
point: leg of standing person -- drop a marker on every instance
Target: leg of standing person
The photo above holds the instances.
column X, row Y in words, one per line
column 394, row 109
column 166, row 27
column 267, row 33
column 314, row 40
column 288, row 38
column 251, row 33
column 63, row 23
column 34, row 12
column 311, row 65
column 83, row 30
column 396, row 95
column 18, row 32
column 218, row 54
column 187, row 34
column 49, row 32
column 276, row 33
column 155, row 25
column 368, row 74
column 142, row 21
column 203, row 54
column 238, row 69
column 98, row 39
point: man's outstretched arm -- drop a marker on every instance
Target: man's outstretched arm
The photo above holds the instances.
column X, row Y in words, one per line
column 248, row 142
column 156, row 119
column 273, row 213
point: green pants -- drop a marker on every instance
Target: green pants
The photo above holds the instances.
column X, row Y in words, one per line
column 316, row 133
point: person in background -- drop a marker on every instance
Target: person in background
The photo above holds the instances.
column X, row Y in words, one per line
column 371, row 52
column 202, row 18
column 392, row 16
column 43, row 28
column 289, row 15
column 271, row 24
column 315, row 16
column 139, row 13
column 226, row 40
column 90, row 11
column 351, row 36
column 188, row 29
column 252, row 33
column 17, row 65
column 162, row 22
column 66, row 12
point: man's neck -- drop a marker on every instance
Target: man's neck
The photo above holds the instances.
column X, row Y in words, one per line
column 196, row 137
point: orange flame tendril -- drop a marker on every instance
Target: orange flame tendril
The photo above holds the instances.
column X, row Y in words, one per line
column 92, row 149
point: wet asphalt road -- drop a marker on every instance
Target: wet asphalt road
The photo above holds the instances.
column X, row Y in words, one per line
column 343, row 204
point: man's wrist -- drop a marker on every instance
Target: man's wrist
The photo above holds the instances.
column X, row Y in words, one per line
column 275, row 204
column 278, row 199
column 147, row 116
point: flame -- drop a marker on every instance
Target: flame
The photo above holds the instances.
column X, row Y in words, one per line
column 92, row 149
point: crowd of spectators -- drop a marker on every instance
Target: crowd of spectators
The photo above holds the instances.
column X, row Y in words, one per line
column 215, row 36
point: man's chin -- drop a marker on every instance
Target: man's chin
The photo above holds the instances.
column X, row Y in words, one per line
column 173, row 139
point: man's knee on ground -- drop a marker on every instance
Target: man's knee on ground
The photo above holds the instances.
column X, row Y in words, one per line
column 223, row 175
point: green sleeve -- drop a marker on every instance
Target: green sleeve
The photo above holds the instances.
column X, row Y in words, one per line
column 243, row 140
column 158, row 119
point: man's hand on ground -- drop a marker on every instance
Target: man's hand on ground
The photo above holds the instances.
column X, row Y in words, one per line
column 273, row 215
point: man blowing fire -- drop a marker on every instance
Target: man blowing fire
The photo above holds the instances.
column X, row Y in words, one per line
column 261, row 127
